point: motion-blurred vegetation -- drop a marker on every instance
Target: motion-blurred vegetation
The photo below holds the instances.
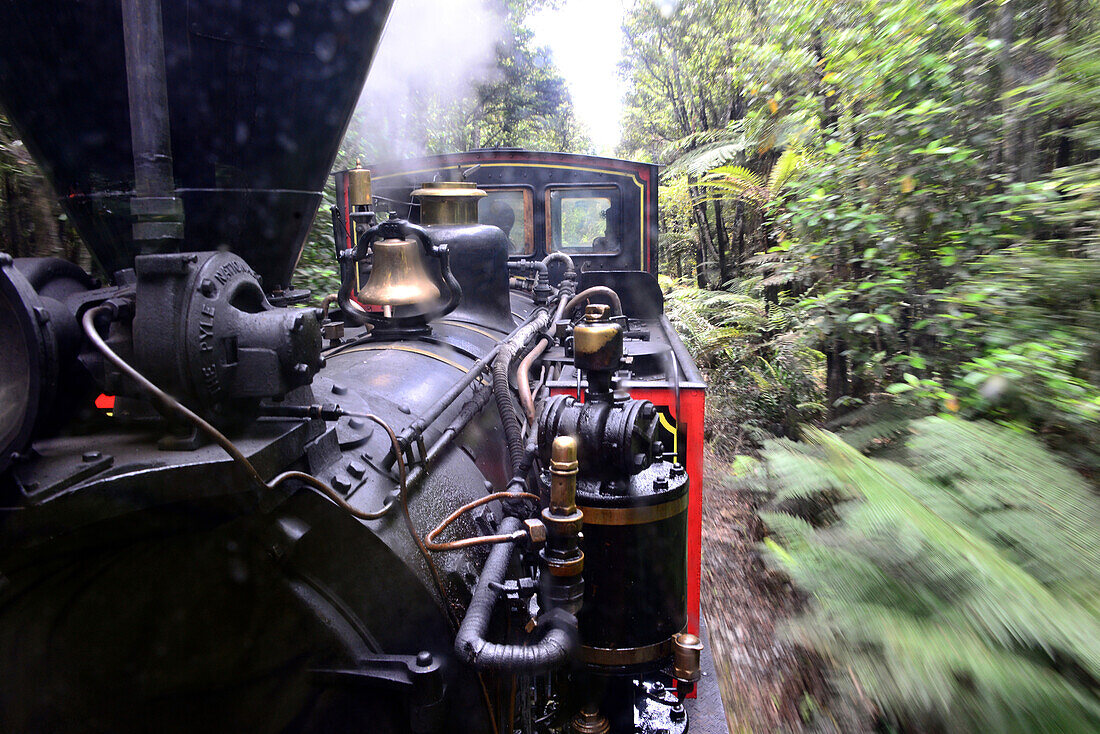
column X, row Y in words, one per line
column 874, row 212
column 954, row 574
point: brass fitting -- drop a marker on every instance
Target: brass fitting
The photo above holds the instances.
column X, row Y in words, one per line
column 359, row 188
column 562, row 517
column 594, row 312
column 448, row 202
column 589, row 720
column 686, row 649
column 536, row 531
column 563, row 558
column 598, row 341
column 563, row 475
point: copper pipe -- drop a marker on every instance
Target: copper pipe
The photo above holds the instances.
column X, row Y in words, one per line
column 596, row 290
column 523, row 380
column 326, row 302
column 481, row 539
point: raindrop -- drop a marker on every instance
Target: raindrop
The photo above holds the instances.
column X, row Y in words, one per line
column 325, row 48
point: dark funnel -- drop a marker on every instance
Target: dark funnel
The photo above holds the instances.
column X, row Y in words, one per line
column 259, row 95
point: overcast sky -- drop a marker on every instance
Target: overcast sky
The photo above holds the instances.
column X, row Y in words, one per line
column 586, row 39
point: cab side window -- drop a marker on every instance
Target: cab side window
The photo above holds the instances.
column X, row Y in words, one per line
column 510, row 209
column 584, row 220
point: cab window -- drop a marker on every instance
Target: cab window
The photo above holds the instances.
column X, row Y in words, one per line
column 585, row 220
column 510, row 209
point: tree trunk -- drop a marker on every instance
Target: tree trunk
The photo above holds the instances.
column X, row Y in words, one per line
column 723, row 241
column 705, row 244
column 14, row 227
column 829, row 115
column 1004, row 30
column 836, row 375
column 739, row 228
column 47, row 242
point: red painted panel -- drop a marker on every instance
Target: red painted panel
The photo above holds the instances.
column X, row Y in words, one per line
column 692, row 404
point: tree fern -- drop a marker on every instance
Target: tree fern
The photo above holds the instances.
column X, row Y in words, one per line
column 958, row 585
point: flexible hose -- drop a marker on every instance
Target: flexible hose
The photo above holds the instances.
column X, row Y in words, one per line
column 470, row 644
column 502, row 389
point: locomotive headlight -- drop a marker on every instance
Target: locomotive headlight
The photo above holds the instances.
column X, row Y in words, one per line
column 26, row 365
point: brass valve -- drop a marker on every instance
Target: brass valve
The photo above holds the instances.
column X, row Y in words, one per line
column 686, row 650
column 563, row 586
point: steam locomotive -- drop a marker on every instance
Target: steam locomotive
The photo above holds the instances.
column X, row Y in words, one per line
column 464, row 495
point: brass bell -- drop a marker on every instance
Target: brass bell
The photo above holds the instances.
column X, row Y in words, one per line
column 398, row 276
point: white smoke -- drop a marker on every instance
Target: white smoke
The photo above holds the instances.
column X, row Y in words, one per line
column 432, row 57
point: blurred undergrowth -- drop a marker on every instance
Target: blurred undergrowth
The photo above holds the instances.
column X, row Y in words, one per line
column 954, row 572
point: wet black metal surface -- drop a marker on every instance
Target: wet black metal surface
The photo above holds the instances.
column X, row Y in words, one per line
column 259, row 96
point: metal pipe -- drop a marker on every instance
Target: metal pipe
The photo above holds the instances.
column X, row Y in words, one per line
column 502, row 390
column 154, row 205
column 433, row 545
column 417, row 427
column 523, row 379
column 596, row 290
column 537, row 265
column 469, row 411
column 551, row 651
column 328, row 301
column 570, row 268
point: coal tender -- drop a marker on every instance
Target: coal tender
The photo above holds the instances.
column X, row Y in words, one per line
column 224, row 510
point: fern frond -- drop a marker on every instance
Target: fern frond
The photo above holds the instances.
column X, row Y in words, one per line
column 960, row 587
column 782, row 171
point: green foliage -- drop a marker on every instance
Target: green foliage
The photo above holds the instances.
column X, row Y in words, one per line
column 918, row 180
column 957, row 581
column 915, row 194
column 763, row 380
